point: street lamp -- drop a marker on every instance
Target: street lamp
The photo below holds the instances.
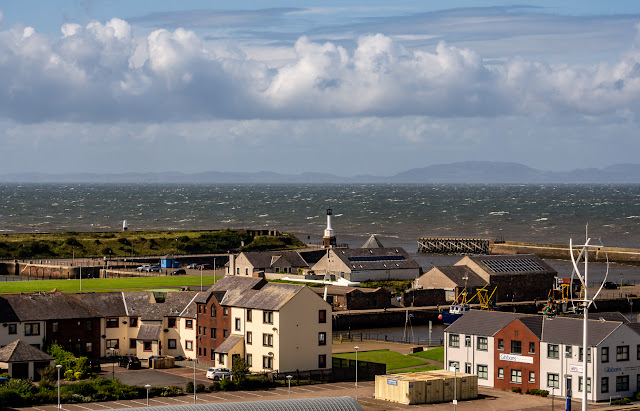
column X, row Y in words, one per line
column 147, row 387
column 356, row 347
column 58, row 366
column 195, row 360
column 113, row 364
column 289, row 377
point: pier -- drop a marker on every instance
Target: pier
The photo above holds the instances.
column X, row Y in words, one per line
column 454, row 245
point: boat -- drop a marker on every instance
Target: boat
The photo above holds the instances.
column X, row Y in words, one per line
column 462, row 304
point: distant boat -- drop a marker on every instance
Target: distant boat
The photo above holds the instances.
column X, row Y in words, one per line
column 461, row 306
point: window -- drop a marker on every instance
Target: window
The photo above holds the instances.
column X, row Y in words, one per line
column 238, row 324
column 246, row 271
column 113, row 344
column 455, row 364
column 267, row 362
column 112, row 323
column 532, row 348
column 238, row 270
column 500, row 344
column 225, row 333
column 483, row 343
column 249, row 316
column 89, row 347
column 267, row 317
column 213, row 311
column 249, row 338
column 553, row 380
column 467, row 368
column 204, row 351
column 225, row 311
column 13, row 328
column 568, row 351
column 604, row 354
column 553, row 351
column 483, row 372
column 172, row 344
column 500, row 373
column 147, row 345
column 638, row 354
column 172, row 322
column 516, row 376
column 516, row 347
column 204, row 309
column 267, row 340
column 213, row 355
column 604, row 384
column 249, row 360
column 322, row 338
column 188, row 324
column 213, row 333
column 322, row 361
column 588, row 384
column 588, row 354
column 532, row 376
column 454, row 340
column 322, row 316
column 55, row 327
column 133, row 322
column 188, row 345
column 622, row 353
column 622, row 383
column 89, row 325
column 467, row 341
column 32, row 329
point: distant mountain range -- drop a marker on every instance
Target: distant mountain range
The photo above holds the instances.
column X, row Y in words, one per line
column 469, row 172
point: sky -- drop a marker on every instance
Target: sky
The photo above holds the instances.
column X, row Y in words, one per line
column 343, row 87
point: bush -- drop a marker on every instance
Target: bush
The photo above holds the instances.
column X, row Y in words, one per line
column 11, row 398
column 200, row 388
column 516, row 389
column 215, row 386
column 172, row 391
column 227, row 385
column 622, row 401
column 188, row 387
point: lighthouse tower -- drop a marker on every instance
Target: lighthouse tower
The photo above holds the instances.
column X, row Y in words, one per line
column 329, row 238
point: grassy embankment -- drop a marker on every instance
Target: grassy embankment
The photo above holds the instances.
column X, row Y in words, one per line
column 398, row 363
column 138, row 243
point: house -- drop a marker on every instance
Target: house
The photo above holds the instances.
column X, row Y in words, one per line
column 368, row 264
column 274, row 327
column 451, row 279
column 355, row 298
column 509, row 350
column 256, row 264
column 22, row 360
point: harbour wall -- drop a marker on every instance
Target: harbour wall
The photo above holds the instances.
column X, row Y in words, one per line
column 561, row 252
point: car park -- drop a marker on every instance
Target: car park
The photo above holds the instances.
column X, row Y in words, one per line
column 193, row 266
column 180, row 271
column 217, row 374
column 143, row 268
column 153, row 268
column 130, row 362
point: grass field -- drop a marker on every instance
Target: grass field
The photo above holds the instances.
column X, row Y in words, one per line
column 435, row 354
column 392, row 359
column 106, row 284
column 418, row 369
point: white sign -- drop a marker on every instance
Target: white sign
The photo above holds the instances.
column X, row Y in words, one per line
column 516, row 358
column 575, row 368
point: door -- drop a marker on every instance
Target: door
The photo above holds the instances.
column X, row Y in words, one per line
column 569, row 387
column 467, row 368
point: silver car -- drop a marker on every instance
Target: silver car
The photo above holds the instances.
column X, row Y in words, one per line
column 217, row 374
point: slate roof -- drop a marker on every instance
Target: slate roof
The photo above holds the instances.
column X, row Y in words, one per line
column 606, row 316
column 561, row 330
column 312, row 256
column 512, row 264
column 176, row 304
column 229, row 343
column 149, row 332
column 108, row 304
column 205, row 296
column 20, row 351
column 376, row 258
column 230, row 282
column 373, row 242
column 480, row 322
column 340, row 290
column 533, row 323
column 456, row 274
column 47, row 306
column 271, row 297
column 266, row 259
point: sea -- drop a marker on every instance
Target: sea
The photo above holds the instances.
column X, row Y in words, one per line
column 399, row 214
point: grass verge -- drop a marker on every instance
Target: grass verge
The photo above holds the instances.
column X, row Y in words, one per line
column 419, row 369
column 392, row 359
column 435, row 354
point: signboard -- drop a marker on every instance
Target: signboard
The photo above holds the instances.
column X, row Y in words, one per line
column 516, row 358
column 575, row 368
column 392, row 382
column 612, row 369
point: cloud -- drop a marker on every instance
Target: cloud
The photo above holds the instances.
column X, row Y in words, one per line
column 102, row 72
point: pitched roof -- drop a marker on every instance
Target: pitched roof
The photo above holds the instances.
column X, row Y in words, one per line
column 512, row 264
column 271, row 297
column 376, row 258
column 20, row 351
column 238, row 283
column 266, row 259
column 108, row 304
column 560, row 330
column 480, row 322
column 456, row 273
column 533, row 323
column 373, row 242
column 229, row 343
column 176, row 304
column 149, row 332
column 48, row 306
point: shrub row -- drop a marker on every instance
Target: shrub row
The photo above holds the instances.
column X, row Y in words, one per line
column 248, row 383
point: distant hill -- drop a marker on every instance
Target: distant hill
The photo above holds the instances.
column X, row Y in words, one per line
column 468, row 172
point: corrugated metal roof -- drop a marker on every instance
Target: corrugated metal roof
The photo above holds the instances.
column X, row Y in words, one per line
column 376, row 258
column 512, row 264
column 301, row 404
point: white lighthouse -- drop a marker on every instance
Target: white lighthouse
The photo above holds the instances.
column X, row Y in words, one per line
column 329, row 238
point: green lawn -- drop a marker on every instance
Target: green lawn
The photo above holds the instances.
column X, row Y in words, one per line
column 435, row 354
column 392, row 359
column 106, row 284
column 418, row 369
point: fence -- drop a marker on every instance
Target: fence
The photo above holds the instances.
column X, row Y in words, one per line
column 345, row 370
column 378, row 336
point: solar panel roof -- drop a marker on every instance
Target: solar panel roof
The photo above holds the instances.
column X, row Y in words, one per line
column 518, row 265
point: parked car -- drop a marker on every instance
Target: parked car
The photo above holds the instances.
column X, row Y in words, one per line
column 143, row 267
column 130, row 362
column 153, row 268
column 610, row 285
column 193, row 266
column 217, row 374
column 94, row 365
column 180, row 271
column 205, row 267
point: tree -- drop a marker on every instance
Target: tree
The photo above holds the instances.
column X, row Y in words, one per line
column 239, row 370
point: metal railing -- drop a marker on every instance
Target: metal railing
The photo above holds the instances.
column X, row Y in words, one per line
column 379, row 336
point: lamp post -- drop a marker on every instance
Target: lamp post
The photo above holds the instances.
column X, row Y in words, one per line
column 289, row 377
column 73, row 256
column 455, row 384
column 201, row 277
column 356, row 347
column 195, row 360
column 80, row 278
column 58, row 366
column 214, row 270
column 113, row 364
column 147, row 387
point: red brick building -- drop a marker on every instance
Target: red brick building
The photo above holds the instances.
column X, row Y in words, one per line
column 517, row 354
column 214, row 324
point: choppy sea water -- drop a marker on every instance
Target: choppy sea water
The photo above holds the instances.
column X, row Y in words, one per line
column 398, row 213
